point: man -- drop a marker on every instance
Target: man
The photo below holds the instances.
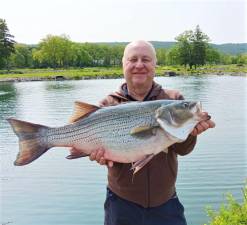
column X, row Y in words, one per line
column 150, row 198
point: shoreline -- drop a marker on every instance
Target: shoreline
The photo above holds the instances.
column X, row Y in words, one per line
column 98, row 77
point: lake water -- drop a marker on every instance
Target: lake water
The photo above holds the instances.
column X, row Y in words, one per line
column 53, row 190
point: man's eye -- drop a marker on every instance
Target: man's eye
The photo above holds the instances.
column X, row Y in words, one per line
column 146, row 60
column 132, row 60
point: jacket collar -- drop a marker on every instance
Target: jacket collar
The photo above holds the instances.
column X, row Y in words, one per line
column 153, row 93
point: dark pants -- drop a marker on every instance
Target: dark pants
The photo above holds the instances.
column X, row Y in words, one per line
column 122, row 212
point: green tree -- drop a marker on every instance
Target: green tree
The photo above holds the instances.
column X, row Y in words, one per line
column 6, row 44
column 96, row 52
column 184, row 48
column 55, row 51
column 199, row 45
column 192, row 47
column 22, row 57
column 241, row 59
column 212, row 56
column 80, row 56
column 161, row 56
column 173, row 57
column 225, row 59
column 117, row 54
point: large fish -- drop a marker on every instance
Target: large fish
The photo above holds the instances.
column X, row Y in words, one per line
column 130, row 133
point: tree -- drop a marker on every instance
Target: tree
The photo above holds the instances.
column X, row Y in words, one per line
column 80, row 56
column 192, row 47
column 212, row 56
column 173, row 57
column 199, row 46
column 161, row 56
column 22, row 57
column 242, row 59
column 184, row 48
column 56, row 51
column 6, row 44
column 225, row 59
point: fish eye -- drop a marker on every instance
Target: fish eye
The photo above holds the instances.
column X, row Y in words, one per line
column 185, row 104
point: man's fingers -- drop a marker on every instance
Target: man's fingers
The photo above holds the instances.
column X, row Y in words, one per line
column 110, row 164
column 102, row 161
column 92, row 155
column 202, row 126
column 99, row 155
column 211, row 123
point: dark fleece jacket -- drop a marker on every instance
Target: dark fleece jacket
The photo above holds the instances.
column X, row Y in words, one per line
column 154, row 184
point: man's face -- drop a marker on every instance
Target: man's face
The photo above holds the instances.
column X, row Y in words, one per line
column 139, row 65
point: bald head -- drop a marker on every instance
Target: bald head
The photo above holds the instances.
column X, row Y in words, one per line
column 140, row 44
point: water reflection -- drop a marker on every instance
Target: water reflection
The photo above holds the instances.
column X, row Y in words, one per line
column 8, row 98
column 59, row 86
column 7, row 91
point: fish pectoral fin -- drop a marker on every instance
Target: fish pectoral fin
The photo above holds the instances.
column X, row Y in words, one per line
column 81, row 110
column 75, row 153
column 140, row 129
column 143, row 131
column 141, row 163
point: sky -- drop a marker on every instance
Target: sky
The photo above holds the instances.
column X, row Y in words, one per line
column 224, row 21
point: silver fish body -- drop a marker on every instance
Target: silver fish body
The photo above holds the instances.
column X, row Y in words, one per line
column 127, row 132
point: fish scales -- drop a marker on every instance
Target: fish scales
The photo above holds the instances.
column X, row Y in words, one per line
column 97, row 124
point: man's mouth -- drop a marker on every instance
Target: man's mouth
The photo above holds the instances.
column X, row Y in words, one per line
column 139, row 73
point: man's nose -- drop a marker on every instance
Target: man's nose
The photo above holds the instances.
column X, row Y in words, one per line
column 139, row 63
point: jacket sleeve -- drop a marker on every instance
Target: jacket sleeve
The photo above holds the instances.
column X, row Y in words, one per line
column 184, row 148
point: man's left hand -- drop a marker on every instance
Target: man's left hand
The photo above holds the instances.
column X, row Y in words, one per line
column 202, row 126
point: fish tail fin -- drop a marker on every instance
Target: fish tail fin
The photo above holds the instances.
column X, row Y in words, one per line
column 32, row 140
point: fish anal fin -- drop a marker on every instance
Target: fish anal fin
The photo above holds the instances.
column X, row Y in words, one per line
column 141, row 163
column 81, row 110
column 75, row 153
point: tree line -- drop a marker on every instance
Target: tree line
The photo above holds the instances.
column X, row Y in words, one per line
column 192, row 49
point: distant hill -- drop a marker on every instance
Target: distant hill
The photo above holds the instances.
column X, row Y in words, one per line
column 231, row 48
column 228, row 48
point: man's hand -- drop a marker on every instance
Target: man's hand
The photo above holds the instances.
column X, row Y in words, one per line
column 98, row 156
column 203, row 126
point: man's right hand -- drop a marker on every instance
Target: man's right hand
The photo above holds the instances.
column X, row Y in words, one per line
column 98, row 156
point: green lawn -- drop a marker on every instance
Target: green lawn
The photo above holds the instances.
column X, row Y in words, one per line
column 115, row 72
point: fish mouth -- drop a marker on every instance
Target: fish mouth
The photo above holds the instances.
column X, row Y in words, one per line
column 203, row 116
column 199, row 106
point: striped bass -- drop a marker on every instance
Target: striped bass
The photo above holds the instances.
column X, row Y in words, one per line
column 129, row 133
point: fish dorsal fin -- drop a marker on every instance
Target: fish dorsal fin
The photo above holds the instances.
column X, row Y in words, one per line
column 81, row 110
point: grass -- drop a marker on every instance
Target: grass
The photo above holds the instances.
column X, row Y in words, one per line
column 116, row 72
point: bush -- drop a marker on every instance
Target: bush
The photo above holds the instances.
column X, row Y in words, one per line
column 232, row 213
